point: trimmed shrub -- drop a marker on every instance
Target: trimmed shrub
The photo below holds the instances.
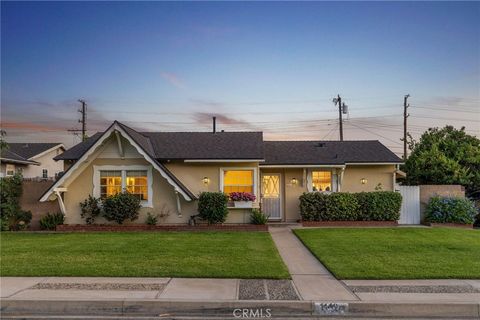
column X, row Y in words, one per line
column 450, row 210
column 91, row 209
column 258, row 217
column 379, row 205
column 51, row 221
column 120, row 207
column 212, row 207
column 342, row 207
column 339, row 206
column 313, row 206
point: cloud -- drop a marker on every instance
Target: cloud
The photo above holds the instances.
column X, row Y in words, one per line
column 173, row 79
column 205, row 118
column 27, row 126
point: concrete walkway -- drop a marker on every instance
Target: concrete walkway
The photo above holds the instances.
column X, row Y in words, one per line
column 312, row 280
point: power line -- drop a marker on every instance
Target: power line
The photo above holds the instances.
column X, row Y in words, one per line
column 405, row 116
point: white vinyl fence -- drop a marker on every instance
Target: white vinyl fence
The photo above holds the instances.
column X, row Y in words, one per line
column 410, row 212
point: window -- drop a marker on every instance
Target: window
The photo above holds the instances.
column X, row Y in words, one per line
column 110, row 182
column 321, row 181
column 237, row 181
column 137, row 183
column 136, row 179
column 9, row 170
column 44, row 173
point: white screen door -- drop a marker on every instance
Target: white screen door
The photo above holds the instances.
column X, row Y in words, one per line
column 271, row 195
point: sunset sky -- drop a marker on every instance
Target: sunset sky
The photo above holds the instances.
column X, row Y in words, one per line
column 271, row 67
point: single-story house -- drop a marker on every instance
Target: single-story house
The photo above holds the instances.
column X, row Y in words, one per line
column 32, row 160
column 168, row 171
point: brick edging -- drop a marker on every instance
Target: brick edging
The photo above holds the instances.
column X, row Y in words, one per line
column 142, row 227
column 452, row 225
column 349, row 223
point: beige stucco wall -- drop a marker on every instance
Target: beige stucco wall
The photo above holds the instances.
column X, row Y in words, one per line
column 374, row 174
column 351, row 183
column 46, row 162
column 164, row 199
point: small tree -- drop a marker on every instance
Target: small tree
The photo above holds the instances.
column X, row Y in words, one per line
column 10, row 193
column 120, row 207
column 212, row 206
column 445, row 156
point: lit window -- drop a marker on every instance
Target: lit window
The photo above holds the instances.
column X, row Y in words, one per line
column 137, row 183
column 238, row 181
column 110, row 182
column 10, row 170
column 321, row 181
column 44, row 173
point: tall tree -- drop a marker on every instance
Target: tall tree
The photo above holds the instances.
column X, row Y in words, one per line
column 445, row 156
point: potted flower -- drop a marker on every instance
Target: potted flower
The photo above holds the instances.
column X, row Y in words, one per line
column 242, row 199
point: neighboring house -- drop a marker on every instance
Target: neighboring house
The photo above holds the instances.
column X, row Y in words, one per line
column 168, row 170
column 32, row 160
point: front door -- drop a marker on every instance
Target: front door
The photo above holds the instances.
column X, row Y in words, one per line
column 271, row 195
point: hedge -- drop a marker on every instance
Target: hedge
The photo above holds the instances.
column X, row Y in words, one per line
column 341, row 206
column 212, row 207
column 450, row 210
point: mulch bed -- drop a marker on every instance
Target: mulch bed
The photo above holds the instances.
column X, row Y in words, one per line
column 349, row 223
column 450, row 225
column 140, row 227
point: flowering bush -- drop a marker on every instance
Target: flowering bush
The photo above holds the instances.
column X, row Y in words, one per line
column 242, row 196
column 450, row 210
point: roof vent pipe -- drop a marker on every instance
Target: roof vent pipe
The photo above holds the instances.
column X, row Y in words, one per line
column 214, row 124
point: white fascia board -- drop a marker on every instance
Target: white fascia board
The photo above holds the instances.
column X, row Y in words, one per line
column 372, row 163
column 223, row 160
column 60, row 145
column 6, row 160
column 92, row 149
column 303, row 166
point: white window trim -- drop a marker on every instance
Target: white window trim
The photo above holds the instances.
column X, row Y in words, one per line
column 255, row 177
column 123, row 169
column 7, row 167
column 333, row 184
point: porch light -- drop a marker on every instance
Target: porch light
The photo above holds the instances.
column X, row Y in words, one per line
column 294, row 181
column 363, row 181
column 206, row 180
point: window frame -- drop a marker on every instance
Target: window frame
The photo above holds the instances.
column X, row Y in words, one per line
column 255, row 177
column 44, row 173
column 9, row 166
column 124, row 169
column 333, row 184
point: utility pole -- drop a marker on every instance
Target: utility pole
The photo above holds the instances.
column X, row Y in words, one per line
column 83, row 111
column 341, row 109
column 405, row 116
column 83, row 121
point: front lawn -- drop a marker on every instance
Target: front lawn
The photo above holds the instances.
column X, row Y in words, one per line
column 396, row 253
column 149, row 254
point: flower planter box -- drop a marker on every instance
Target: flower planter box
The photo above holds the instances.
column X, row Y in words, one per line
column 243, row 204
column 159, row 228
column 451, row 225
column 349, row 223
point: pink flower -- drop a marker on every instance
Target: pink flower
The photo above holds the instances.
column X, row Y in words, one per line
column 242, row 196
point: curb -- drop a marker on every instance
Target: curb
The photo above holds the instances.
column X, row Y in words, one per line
column 237, row 309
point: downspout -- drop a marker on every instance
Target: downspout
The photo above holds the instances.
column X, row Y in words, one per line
column 340, row 179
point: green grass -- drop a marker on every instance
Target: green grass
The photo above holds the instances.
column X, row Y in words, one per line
column 396, row 253
column 149, row 254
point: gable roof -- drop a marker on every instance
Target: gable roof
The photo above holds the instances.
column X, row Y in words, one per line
column 30, row 150
column 327, row 152
column 135, row 139
column 77, row 151
column 8, row 156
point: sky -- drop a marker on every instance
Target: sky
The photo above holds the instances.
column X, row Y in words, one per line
column 265, row 66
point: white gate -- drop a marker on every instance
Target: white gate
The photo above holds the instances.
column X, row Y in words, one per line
column 410, row 212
